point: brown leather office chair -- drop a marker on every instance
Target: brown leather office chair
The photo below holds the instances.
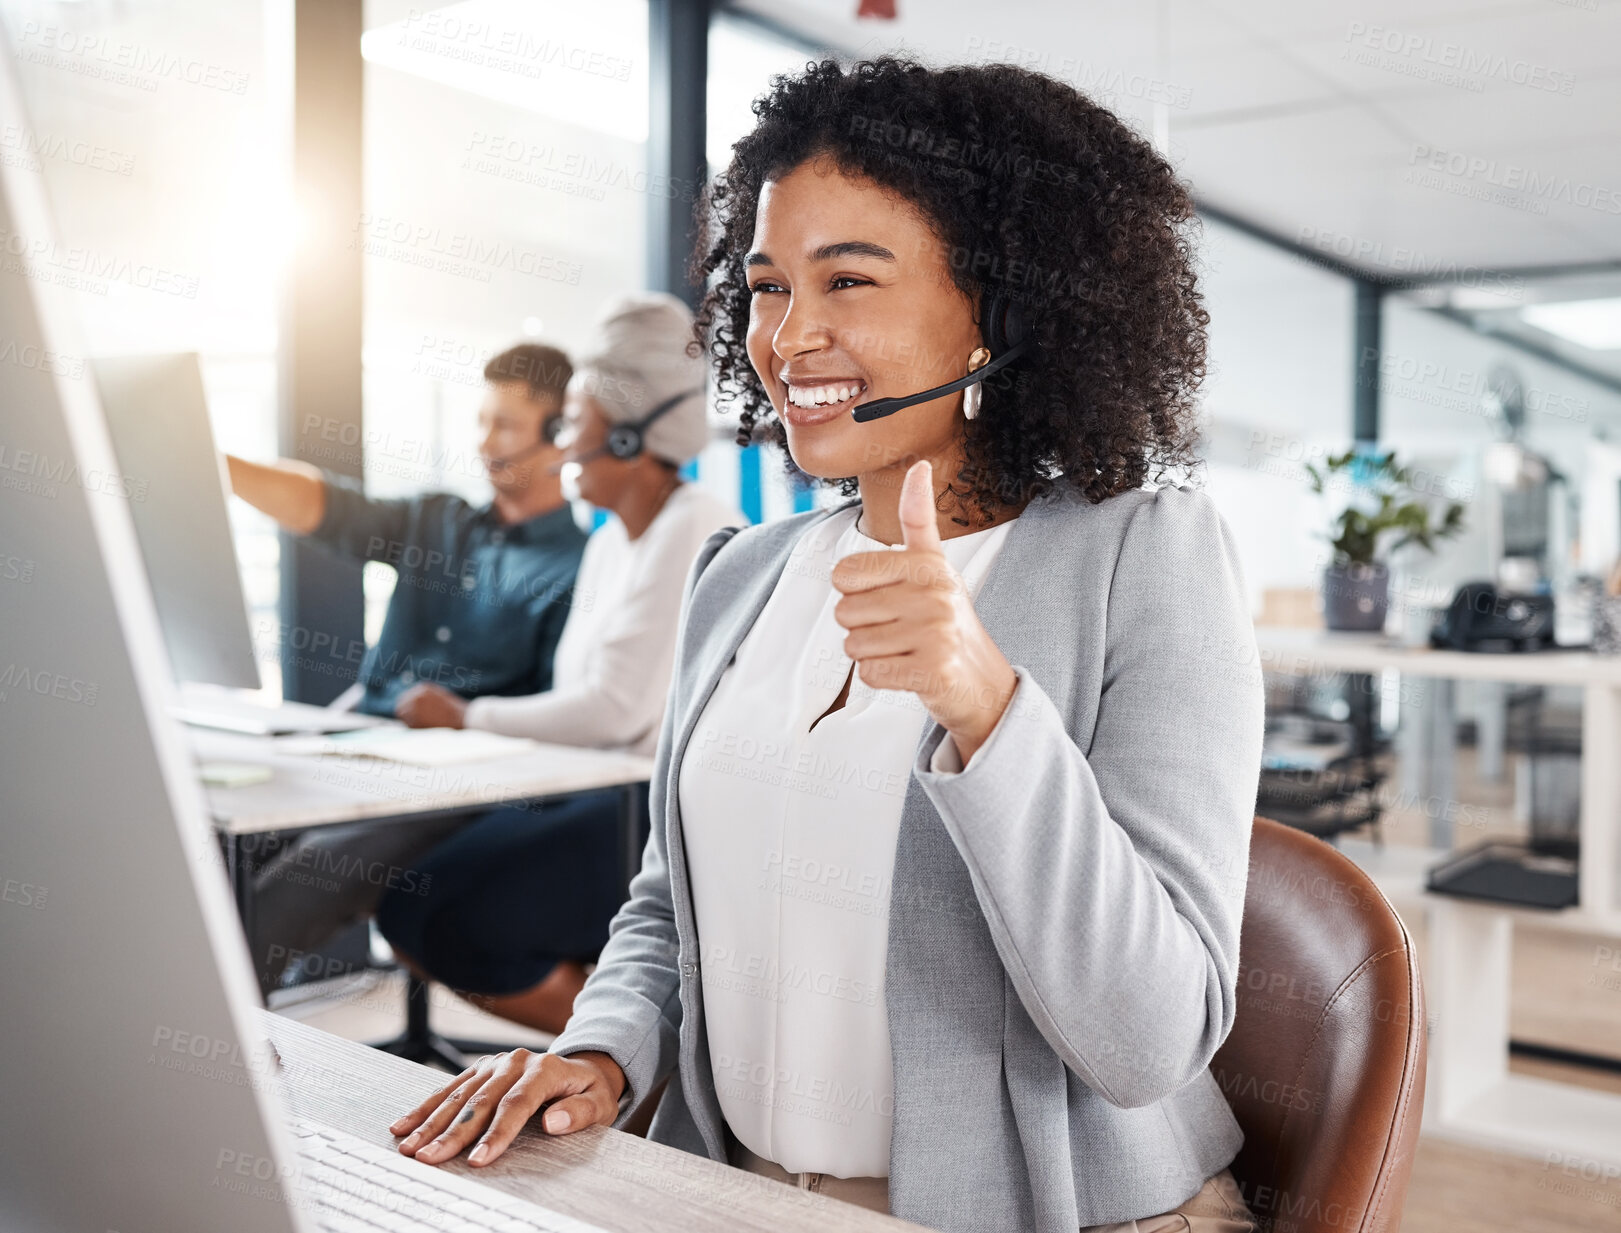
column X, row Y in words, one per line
column 1324, row 1067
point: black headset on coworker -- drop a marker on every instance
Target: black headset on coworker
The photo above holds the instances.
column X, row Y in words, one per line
column 625, row 441
column 549, row 428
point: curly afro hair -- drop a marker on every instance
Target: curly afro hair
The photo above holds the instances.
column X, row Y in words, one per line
column 1034, row 191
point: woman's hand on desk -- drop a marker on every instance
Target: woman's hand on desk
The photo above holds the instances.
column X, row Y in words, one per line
column 431, row 706
column 912, row 625
column 491, row 1101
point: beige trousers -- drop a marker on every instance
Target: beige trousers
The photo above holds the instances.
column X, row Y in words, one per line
column 1217, row 1208
column 869, row 1192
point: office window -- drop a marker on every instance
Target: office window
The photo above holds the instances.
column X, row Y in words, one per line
column 1443, row 390
column 159, row 132
column 506, row 198
column 743, row 57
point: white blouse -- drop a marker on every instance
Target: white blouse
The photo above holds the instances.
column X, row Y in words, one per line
column 790, row 839
column 611, row 670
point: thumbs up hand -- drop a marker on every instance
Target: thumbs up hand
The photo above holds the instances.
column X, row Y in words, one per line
column 913, row 627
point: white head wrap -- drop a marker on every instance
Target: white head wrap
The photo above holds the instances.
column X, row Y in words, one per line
column 639, row 359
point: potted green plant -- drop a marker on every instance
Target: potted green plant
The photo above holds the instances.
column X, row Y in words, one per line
column 1388, row 511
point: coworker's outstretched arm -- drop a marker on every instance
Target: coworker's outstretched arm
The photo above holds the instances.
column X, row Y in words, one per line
column 293, row 493
column 334, row 510
column 1112, row 880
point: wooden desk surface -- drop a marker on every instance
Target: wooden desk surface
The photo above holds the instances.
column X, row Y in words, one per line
column 605, row 1177
column 308, row 790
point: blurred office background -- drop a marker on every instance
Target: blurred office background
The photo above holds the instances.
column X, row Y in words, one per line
column 503, row 193
column 1411, row 239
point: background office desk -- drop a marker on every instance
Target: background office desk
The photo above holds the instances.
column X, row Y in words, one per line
column 1470, row 1094
column 606, row 1177
column 1313, row 652
column 307, row 791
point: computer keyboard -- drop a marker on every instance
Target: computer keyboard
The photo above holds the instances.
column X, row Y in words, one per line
column 347, row 1185
column 231, row 710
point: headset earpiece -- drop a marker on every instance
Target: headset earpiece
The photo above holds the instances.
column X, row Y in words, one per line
column 1006, row 323
column 1008, row 329
column 624, row 441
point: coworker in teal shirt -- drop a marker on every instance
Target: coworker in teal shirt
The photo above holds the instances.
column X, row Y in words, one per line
column 482, row 592
column 480, row 602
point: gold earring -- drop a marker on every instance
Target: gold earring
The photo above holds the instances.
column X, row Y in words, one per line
column 977, row 359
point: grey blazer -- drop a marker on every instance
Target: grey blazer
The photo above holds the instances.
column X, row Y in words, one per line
column 1064, row 920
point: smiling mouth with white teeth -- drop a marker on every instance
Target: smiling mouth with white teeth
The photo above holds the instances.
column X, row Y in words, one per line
column 825, row 400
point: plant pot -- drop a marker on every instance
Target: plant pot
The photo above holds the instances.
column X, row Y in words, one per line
column 1356, row 597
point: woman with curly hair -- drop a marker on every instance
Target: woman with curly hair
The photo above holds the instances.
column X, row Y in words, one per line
column 951, row 807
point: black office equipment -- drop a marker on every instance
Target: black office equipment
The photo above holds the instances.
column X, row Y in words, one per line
column 1540, row 871
column 1483, row 618
column 1322, row 764
column 1508, row 873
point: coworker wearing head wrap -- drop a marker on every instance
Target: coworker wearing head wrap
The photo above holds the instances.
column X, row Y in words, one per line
column 511, row 908
column 640, row 363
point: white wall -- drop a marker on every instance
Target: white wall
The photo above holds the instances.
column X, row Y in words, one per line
column 1278, row 392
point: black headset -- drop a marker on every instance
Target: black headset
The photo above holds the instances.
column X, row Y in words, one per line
column 1007, row 326
column 550, row 427
column 627, row 440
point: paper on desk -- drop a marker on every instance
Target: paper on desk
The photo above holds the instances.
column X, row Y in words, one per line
column 232, row 774
column 415, row 746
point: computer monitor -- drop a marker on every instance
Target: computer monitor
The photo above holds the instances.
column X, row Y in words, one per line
column 137, row 1079
column 129, row 1062
column 157, row 414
